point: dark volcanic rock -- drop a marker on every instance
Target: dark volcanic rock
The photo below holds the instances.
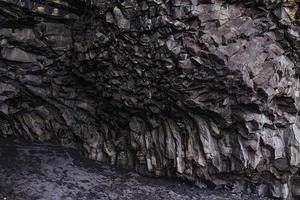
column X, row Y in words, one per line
column 51, row 172
column 207, row 91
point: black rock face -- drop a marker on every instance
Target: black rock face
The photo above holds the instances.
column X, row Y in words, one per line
column 203, row 90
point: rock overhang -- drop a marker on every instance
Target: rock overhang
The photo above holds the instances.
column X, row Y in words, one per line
column 191, row 89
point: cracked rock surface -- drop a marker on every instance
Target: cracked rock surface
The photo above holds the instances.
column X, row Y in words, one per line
column 202, row 90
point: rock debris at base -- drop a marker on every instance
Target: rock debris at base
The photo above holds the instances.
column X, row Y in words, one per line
column 202, row 90
column 50, row 172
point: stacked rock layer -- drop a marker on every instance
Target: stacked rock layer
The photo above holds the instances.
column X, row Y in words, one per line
column 202, row 90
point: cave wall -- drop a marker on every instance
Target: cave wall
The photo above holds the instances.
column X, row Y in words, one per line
column 203, row 90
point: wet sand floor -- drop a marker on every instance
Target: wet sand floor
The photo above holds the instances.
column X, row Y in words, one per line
column 51, row 172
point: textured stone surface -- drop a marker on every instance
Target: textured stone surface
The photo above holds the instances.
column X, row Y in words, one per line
column 204, row 90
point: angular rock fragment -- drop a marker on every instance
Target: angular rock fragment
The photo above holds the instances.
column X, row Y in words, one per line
column 18, row 55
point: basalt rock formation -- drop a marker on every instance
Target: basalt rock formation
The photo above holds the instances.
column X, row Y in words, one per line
column 202, row 90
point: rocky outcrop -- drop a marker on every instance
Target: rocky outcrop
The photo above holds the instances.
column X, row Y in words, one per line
column 203, row 90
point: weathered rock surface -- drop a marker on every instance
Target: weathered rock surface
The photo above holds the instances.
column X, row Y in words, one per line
column 204, row 90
